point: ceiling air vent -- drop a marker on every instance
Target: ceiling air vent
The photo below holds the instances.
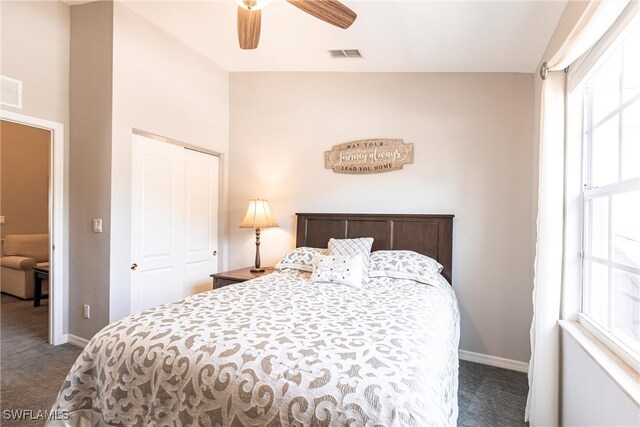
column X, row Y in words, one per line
column 10, row 92
column 344, row 53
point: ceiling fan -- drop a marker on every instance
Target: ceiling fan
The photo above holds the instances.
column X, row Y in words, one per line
column 249, row 16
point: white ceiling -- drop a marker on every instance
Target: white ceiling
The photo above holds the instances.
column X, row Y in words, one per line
column 393, row 35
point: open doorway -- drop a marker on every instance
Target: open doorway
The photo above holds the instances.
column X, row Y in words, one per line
column 55, row 305
column 25, row 159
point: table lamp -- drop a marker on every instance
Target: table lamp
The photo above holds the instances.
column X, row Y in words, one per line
column 258, row 216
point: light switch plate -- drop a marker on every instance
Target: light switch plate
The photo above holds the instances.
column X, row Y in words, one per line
column 1, row 219
column 97, row 225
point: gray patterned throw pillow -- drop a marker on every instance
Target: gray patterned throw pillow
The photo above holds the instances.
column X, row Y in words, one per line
column 404, row 265
column 361, row 246
column 300, row 258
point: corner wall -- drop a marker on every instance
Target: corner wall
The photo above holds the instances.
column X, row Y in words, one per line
column 128, row 74
column 90, row 164
column 473, row 158
column 163, row 87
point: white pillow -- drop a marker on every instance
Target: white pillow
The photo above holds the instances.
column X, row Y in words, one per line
column 360, row 246
column 404, row 265
column 300, row 258
column 340, row 269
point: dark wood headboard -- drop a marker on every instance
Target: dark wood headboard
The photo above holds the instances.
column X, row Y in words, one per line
column 431, row 235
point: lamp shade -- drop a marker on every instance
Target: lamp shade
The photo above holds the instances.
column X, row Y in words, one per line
column 258, row 215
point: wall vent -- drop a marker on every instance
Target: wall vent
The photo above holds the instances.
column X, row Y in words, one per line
column 344, row 53
column 10, row 92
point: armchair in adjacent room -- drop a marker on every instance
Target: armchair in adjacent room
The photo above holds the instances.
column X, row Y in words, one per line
column 20, row 253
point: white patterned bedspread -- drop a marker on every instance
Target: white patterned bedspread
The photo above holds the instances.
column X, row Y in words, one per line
column 276, row 351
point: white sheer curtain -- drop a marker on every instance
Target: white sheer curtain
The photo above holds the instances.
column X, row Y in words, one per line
column 544, row 366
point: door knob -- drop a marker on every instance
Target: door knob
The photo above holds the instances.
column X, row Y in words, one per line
column 214, row 253
column 134, row 266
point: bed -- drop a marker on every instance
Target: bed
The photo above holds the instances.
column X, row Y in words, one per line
column 282, row 350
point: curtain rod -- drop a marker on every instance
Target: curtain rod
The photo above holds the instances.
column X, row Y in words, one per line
column 544, row 70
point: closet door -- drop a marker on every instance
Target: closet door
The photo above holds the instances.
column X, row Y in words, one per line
column 157, row 228
column 174, row 230
column 201, row 226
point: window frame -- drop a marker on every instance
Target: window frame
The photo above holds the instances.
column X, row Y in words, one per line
column 607, row 191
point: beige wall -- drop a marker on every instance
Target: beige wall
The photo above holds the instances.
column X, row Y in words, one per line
column 34, row 48
column 90, row 158
column 473, row 158
column 163, row 87
column 25, row 178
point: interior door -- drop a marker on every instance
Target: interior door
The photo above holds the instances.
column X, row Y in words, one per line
column 201, row 215
column 174, row 222
column 157, row 223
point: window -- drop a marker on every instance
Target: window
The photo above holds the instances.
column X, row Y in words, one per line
column 611, row 192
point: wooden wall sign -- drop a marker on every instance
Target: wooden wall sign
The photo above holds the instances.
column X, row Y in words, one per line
column 369, row 156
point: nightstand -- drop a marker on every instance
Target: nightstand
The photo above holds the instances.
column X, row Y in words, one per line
column 236, row 276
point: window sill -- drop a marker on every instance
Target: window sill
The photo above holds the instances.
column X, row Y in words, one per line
column 627, row 378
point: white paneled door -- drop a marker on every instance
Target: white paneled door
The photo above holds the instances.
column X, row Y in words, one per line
column 201, row 220
column 174, row 233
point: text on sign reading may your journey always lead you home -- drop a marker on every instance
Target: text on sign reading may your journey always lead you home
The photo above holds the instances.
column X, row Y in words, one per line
column 369, row 156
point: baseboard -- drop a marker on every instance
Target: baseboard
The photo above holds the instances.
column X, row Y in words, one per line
column 498, row 362
column 75, row 340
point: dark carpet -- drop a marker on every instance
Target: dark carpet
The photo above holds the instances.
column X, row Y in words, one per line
column 33, row 371
column 489, row 396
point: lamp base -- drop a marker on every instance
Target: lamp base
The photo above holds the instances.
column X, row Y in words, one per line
column 257, row 270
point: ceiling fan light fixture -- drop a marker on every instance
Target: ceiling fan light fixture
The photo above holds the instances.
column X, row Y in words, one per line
column 250, row 17
column 252, row 4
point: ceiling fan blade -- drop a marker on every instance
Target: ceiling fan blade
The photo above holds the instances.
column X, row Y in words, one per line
column 248, row 28
column 331, row 11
